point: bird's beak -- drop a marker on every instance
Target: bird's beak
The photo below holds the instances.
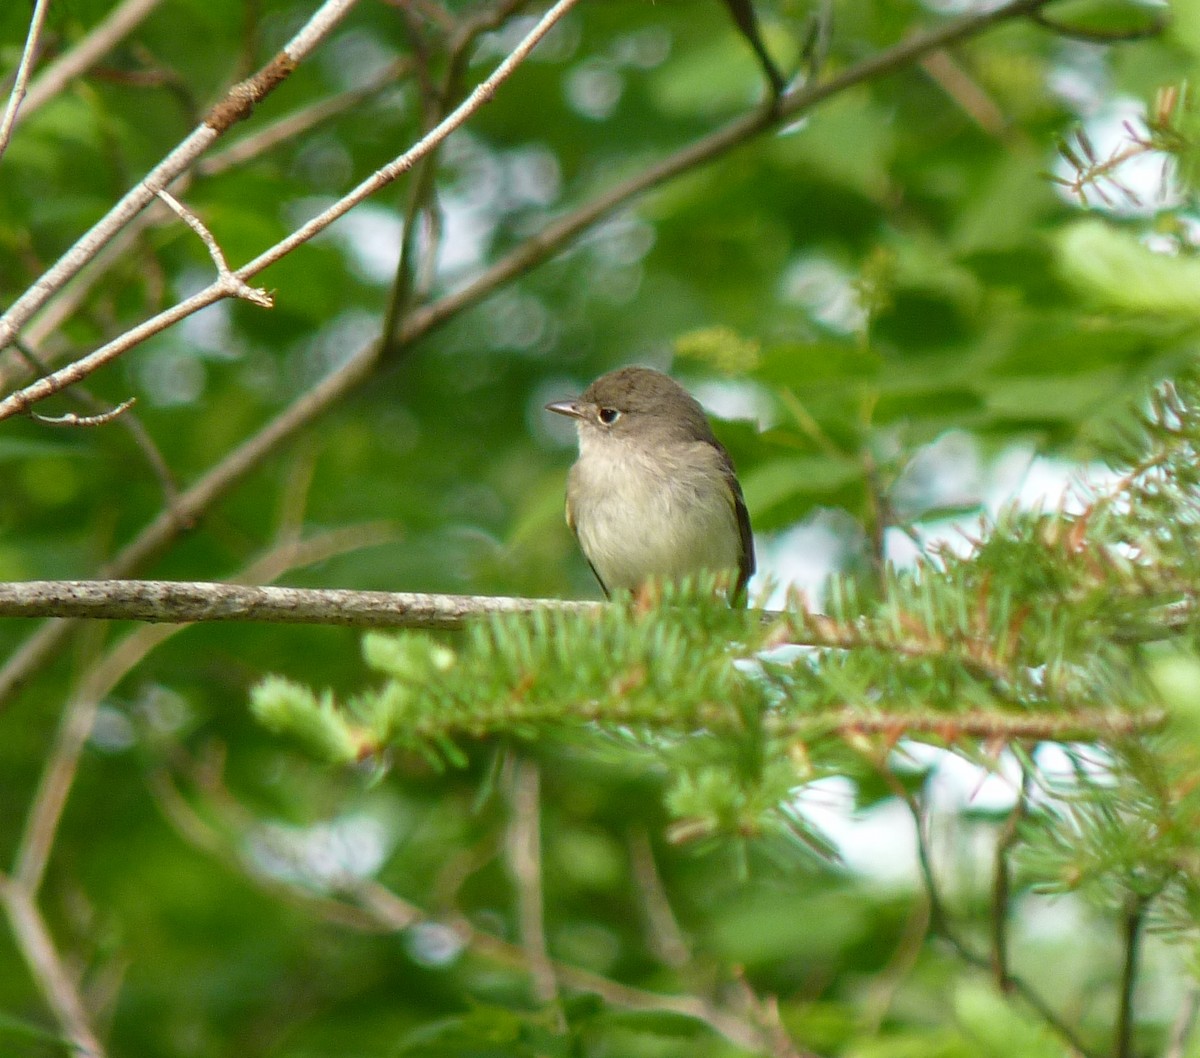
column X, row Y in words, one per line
column 576, row 409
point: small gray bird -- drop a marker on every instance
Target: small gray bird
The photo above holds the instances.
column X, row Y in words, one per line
column 653, row 492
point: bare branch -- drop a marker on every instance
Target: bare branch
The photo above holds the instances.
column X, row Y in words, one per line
column 102, row 418
column 133, row 425
column 235, row 287
column 525, row 864
column 54, row 786
column 24, row 68
column 1002, row 885
column 237, row 104
column 54, row 982
column 50, row 320
column 175, row 602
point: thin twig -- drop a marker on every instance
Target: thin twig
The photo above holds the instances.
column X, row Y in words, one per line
column 71, row 418
column 20, row 400
column 55, row 983
column 24, row 69
column 1156, row 24
column 235, row 106
column 525, row 864
column 434, row 104
column 1131, row 938
column 132, row 424
column 406, row 284
column 940, row 923
column 665, row 938
column 1002, row 886
column 960, row 86
column 234, row 286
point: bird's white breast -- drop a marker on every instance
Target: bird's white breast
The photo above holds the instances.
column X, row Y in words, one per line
column 642, row 514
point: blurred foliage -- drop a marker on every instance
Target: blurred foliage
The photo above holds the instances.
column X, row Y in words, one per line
column 928, row 279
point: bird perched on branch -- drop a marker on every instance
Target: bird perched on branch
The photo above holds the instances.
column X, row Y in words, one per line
column 653, row 494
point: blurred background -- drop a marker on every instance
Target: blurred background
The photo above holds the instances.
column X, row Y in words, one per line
column 945, row 289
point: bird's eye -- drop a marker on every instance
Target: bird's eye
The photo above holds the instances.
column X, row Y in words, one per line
column 608, row 416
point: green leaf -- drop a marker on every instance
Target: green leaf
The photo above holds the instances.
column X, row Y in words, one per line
column 779, row 480
column 1119, row 272
column 1001, row 1029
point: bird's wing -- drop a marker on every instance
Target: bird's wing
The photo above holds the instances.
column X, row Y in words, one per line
column 742, row 515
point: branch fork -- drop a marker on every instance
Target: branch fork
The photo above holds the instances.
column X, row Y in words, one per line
column 233, row 284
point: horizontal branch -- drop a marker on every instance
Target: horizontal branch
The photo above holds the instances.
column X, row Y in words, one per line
column 184, row 602
column 181, row 602
column 36, row 652
column 1080, row 725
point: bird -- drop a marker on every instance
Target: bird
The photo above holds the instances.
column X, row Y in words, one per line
column 653, row 494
